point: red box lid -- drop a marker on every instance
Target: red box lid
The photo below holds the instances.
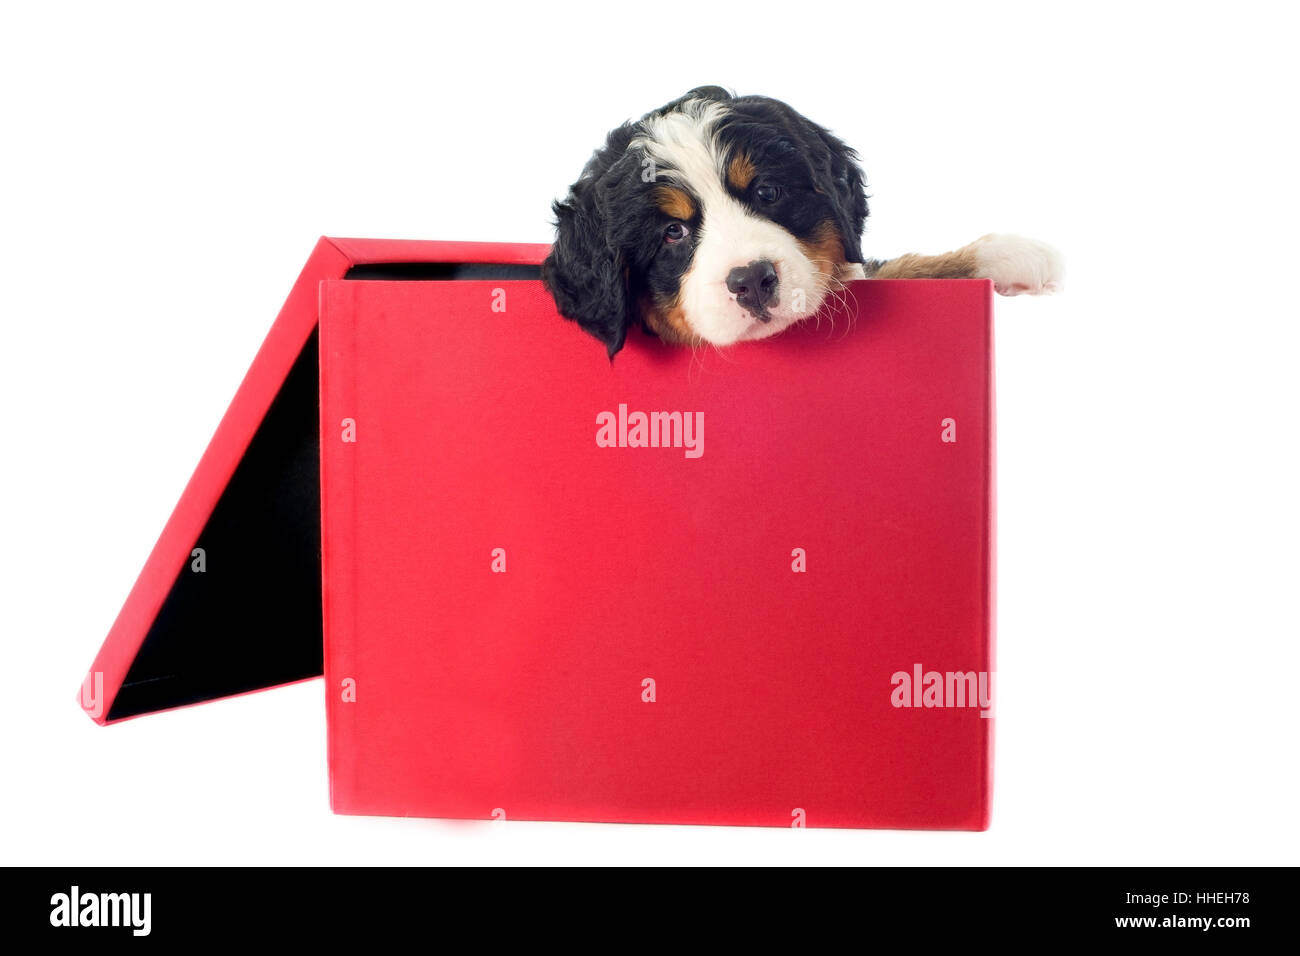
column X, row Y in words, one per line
column 229, row 599
column 783, row 614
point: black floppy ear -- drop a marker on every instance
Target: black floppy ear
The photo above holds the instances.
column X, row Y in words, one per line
column 585, row 271
column 846, row 187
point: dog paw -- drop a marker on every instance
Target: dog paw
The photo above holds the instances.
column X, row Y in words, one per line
column 1019, row 266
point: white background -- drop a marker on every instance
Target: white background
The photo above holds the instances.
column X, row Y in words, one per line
column 166, row 173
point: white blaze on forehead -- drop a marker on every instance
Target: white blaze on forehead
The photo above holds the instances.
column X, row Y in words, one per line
column 684, row 145
column 686, row 152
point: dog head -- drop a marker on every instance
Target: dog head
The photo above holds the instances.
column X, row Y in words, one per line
column 715, row 219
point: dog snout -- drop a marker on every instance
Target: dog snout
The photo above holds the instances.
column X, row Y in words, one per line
column 754, row 287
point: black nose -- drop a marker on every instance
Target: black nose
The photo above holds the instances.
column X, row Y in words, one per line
column 754, row 286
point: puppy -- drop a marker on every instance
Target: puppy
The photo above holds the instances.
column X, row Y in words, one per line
column 721, row 219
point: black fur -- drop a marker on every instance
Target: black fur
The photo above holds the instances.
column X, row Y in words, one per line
column 818, row 173
column 586, row 268
column 609, row 252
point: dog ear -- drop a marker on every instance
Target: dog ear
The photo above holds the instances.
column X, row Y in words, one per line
column 585, row 271
column 841, row 179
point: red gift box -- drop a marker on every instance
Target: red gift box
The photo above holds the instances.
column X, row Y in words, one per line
column 749, row 587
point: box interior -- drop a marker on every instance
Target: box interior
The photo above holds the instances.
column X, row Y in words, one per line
column 252, row 617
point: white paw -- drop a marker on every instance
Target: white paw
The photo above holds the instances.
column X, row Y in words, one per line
column 1018, row 265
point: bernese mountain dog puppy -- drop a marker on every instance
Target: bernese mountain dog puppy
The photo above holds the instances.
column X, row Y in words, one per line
column 720, row 219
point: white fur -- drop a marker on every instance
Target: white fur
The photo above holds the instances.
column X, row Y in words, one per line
column 686, row 151
column 1018, row 265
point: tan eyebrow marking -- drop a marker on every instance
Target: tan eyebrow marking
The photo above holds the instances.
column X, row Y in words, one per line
column 741, row 171
column 674, row 202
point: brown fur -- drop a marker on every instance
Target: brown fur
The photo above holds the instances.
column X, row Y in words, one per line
column 674, row 202
column 668, row 321
column 950, row 265
column 826, row 250
column 741, row 172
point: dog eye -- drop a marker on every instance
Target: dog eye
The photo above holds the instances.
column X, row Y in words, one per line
column 676, row 232
column 767, row 193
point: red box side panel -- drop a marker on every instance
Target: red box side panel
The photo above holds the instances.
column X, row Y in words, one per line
column 455, row 689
